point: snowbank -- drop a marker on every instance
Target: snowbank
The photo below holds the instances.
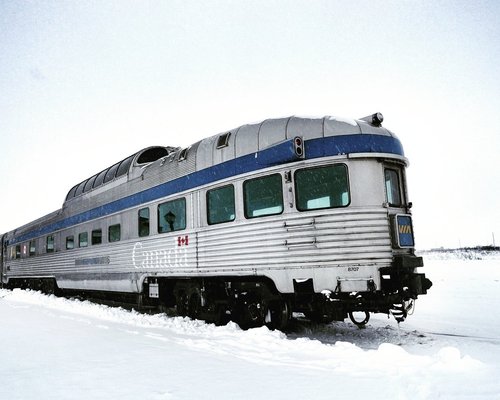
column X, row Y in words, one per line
column 69, row 349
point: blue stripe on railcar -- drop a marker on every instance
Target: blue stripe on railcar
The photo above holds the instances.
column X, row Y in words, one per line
column 347, row 144
column 279, row 154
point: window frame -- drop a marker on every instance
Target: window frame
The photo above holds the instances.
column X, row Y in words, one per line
column 139, row 222
column 207, row 202
column 248, row 181
column 296, row 182
column 115, row 239
column 158, row 225
column 32, row 248
column 51, row 249
column 400, row 191
column 80, row 236
column 70, row 239
column 17, row 252
column 92, row 237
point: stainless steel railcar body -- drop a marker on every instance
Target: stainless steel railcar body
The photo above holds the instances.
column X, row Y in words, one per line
column 302, row 214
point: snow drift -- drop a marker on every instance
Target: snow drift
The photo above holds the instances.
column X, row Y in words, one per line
column 68, row 349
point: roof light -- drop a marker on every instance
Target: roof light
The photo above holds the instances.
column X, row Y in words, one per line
column 374, row 119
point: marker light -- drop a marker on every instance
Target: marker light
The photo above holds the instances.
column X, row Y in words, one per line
column 298, row 144
column 374, row 119
column 377, row 119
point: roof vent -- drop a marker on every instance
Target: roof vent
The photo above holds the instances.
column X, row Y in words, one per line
column 223, row 140
column 184, row 153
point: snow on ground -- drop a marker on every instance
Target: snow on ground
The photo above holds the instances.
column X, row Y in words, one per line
column 54, row 348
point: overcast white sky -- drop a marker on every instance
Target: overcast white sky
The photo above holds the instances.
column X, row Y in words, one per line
column 84, row 84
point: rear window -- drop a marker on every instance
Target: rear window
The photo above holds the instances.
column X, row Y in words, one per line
column 392, row 187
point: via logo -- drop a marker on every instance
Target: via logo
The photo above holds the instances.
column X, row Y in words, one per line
column 183, row 241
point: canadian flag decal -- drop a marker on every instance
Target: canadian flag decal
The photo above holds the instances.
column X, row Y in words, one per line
column 183, row 240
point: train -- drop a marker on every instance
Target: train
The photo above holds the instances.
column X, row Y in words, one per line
column 288, row 216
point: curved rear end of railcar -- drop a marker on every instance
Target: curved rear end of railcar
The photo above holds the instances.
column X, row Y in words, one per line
column 350, row 243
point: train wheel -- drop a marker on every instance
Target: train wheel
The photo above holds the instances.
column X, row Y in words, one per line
column 194, row 306
column 278, row 315
column 181, row 304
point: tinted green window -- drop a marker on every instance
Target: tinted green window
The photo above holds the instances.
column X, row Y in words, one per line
column 143, row 221
column 18, row 251
column 392, row 187
column 172, row 216
column 32, row 250
column 263, row 196
column 70, row 242
column 83, row 239
column 114, row 233
column 323, row 187
column 97, row 236
column 50, row 244
column 220, row 205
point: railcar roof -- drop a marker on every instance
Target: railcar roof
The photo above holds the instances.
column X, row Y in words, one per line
column 225, row 146
column 156, row 172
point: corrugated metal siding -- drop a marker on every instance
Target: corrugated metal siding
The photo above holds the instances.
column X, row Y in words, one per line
column 305, row 241
column 345, row 237
column 159, row 254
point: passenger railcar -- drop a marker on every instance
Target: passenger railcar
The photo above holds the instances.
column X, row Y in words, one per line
column 287, row 215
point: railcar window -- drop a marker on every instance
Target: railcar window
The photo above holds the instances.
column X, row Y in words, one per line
column 143, row 222
column 100, row 179
column 392, row 187
column 83, row 239
column 50, row 244
column 32, row 249
column 114, row 233
column 70, row 242
column 172, row 216
column 263, row 196
column 323, row 187
column 71, row 193
column 89, row 184
column 79, row 189
column 124, row 166
column 220, row 205
column 152, row 154
column 96, row 237
column 18, row 251
column 110, row 175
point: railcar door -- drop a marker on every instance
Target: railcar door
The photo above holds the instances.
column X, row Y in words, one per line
column 398, row 206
